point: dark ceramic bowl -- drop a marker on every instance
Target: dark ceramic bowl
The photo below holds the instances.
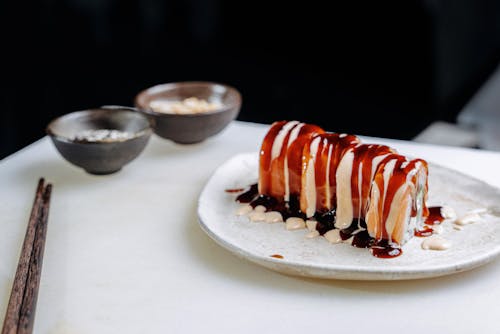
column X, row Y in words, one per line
column 100, row 156
column 190, row 128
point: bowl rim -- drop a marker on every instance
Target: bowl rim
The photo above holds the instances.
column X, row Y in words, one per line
column 148, row 130
column 162, row 87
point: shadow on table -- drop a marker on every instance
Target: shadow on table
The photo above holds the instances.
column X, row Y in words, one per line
column 162, row 148
column 61, row 174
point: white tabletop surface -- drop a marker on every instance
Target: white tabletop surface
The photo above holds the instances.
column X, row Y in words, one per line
column 125, row 254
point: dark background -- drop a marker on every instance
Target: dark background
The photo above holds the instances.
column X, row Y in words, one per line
column 382, row 68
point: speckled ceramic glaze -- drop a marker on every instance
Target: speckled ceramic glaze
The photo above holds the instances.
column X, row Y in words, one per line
column 100, row 157
column 190, row 128
column 473, row 246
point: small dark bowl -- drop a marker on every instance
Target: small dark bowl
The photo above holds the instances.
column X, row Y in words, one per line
column 190, row 128
column 100, row 157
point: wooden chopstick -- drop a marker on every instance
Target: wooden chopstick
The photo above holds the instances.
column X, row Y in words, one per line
column 21, row 308
column 28, row 306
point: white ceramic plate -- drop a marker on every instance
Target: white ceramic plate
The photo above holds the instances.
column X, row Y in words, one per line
column 475, row 245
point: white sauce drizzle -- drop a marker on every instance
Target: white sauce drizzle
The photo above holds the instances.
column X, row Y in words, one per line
column 328, row 193
column 311, row 225
column 388, row 170
column 244, row 210
column 256, row 216
column 314, row 147
column 481, row 211
column 468, row 218
column 278, row 141
column 387, row 173
column 333, row 236
column 260, row 208
column 273, row 217
column 447, row 212
column 394, row 210
column 375, row 162
column 286, row 196
column 310, row 191
column 359, row 229
column 344, row 194
column 436, row 243
column 360, row 189
column 295, row 223
column 437, row 229
column 372, row 215
column 293, row 136
column 312, row 234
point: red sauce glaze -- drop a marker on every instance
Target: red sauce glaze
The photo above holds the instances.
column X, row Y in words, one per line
column 277, row 256
column 294, row 156
column 434, row 217
column 265, row 166
column 290, row 163
column 399, row 175
column 331, row 148
column 272, row 170
column 363, row 160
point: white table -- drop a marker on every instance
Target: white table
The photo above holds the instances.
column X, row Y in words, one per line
column 125, row 254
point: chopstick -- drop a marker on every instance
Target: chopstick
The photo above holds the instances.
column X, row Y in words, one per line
column 21, row 308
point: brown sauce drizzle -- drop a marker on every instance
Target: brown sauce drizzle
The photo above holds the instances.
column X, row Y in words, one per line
column 360, row 239
column 329, row 145
column 325, row 222
column 435, row 217
column 265, row 162
column 287, row 209
column 270, row 191
column 295, row 155
column 383, row 249
column 248, row 195
column 348, row 232
column 364, row 156
column 267, row 201
column 235, row 190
